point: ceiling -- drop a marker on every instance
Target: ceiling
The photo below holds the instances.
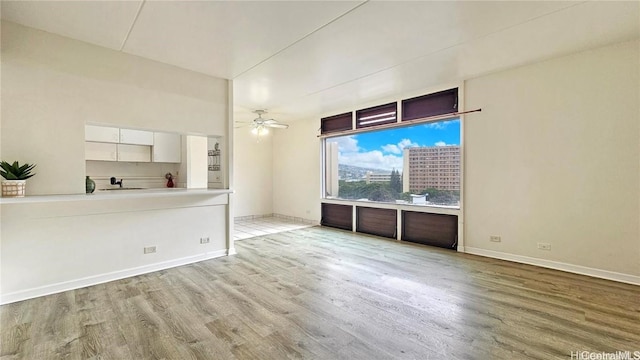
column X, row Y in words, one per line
column 302, row 59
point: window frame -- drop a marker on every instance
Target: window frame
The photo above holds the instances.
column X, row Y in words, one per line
column 396, row 125
column 400, row 208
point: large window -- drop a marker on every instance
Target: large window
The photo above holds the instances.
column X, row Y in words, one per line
column 417, row 164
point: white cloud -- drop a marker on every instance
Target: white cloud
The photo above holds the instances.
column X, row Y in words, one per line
column 391, row 148
column 346, row 143
column 397, row 148
column 442, row 143
column 406, row 143
column 388, row 159
column 440, row 125
column 371, row 159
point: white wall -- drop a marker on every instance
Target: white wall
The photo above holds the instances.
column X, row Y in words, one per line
column 52, row 85
column 554, row 157
column 51, row 246
column 296, row 170
column 253, row 173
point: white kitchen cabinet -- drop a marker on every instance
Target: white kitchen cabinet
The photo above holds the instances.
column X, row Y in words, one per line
column 167, row 147
column 101, row 133
column 136, row 137
column 100, row 151
column 134, row 153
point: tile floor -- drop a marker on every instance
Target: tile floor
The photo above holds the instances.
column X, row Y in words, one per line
column 245, row 229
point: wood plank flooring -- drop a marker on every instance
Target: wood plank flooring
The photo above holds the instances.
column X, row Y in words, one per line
column 318, row 293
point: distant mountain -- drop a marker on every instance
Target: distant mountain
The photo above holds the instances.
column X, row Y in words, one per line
column 352, row 173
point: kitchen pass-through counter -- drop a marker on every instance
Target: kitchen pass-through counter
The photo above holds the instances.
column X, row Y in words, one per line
column 54, row 243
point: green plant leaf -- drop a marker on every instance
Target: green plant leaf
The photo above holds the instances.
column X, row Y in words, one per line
column 15, row 171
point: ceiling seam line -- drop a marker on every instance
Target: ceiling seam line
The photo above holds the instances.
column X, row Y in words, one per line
column 435, row 52
column 446, row 48
column 299, row 40
column 133, row 23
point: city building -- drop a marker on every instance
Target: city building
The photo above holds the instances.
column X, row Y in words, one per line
column 372, row 177
column 436, row 167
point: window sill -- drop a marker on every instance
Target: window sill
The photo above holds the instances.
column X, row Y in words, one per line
column 427, row 208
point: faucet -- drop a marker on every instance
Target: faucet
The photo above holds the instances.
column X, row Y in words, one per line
column 114, row 182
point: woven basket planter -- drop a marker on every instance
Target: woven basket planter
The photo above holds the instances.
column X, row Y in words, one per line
column 13, row 188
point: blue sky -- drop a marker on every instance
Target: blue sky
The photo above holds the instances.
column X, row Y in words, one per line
column 383, row 149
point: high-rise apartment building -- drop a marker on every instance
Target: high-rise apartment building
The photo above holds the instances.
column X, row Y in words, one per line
column 436, row 167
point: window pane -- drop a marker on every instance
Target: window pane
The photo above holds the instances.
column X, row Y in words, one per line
column 418, row 164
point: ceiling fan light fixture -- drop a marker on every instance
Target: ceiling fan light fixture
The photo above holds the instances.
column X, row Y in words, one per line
column 259, row 130
column 260, row 126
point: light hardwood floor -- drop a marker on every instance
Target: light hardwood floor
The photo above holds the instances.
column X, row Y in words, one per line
column 318, row 293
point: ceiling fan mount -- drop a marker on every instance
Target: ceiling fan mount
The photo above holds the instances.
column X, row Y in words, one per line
column 260, row 125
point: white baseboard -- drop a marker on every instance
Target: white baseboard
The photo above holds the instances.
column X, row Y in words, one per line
column 103, row 278
column 577, row 269
column 279, row 216
column 231, row 251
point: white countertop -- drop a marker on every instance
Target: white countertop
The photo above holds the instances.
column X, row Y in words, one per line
column 115, row 194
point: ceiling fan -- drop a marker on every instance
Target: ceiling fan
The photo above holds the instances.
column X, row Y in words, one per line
column 260, row 126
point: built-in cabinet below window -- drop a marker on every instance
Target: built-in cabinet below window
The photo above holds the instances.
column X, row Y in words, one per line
column 105, row 143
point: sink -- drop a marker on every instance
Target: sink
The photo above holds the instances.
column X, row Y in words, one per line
column 123, row 188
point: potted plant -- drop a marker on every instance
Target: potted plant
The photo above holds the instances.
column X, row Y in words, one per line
column 16, row 176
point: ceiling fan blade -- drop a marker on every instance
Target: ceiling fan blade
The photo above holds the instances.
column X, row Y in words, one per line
column 277, row 125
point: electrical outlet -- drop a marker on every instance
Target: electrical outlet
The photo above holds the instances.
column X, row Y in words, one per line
column 544, row 246
column 495, row 238
column 149, row 249
column 204, row 240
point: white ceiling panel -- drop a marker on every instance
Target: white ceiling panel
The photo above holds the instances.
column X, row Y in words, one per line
column 301, row 59
column 589, row 25
column 226, row 38
column 378, row 36
column 104, row 23
column 574, row 29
